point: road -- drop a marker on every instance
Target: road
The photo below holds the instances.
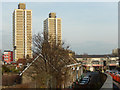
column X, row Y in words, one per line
column 96, row 81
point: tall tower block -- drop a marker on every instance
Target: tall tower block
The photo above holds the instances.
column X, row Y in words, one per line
column 22, row 32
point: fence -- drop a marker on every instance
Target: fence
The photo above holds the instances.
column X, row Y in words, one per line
column 115, row 77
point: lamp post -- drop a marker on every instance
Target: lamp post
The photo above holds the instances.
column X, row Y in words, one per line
column 102, row 65
column 108, row 60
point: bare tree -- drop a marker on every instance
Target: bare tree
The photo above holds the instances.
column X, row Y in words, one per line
column 50, row 68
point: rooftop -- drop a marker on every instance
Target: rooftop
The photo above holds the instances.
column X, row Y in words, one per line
column 94, row 56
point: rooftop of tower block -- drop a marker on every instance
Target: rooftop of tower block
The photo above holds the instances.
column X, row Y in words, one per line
column 52, row 15
column 21, row 6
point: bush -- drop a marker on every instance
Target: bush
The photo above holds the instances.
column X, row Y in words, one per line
column 5, row 69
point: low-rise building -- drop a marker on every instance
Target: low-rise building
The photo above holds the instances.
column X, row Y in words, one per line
column 116, row 52
column 8, row 56
column 98, row 61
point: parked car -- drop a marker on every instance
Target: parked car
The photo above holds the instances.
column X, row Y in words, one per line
column 85, row 80
column 86, row 77
column 82, row 82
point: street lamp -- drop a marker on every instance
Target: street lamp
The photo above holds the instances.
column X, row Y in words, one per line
column 108, row 60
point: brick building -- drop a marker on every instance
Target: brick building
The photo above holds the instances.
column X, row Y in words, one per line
column 8, row 56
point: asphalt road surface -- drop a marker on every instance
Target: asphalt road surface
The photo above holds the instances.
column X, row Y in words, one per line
column 96, row 81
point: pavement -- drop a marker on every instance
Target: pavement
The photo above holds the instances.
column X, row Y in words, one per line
column 108, row 83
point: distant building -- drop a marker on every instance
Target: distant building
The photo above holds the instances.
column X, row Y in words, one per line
column 97, row 61
column 8, row 56
column 22, row 32
column 116, row 52
column 52, row 28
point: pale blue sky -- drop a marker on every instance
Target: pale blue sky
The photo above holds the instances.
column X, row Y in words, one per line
column 87, row 27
